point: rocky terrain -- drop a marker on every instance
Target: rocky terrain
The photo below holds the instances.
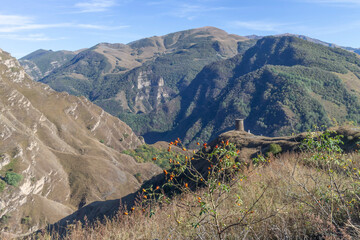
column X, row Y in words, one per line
column 57, row 153
column 40, row 63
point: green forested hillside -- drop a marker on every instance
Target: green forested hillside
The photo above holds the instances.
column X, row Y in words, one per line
column 280, row 86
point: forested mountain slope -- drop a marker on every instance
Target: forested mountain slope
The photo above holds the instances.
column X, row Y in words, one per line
column 279, row 86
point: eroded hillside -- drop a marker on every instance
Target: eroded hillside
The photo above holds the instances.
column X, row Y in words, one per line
column 40, row 63
column 57, row 152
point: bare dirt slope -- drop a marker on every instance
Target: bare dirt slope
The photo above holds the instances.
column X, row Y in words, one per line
column 66, row 150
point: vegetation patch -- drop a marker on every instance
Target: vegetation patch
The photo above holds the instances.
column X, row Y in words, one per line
column 147, row 153
column 13, row 179
column 13, row 166
column 274, row 148
column 2, row 185
column 25, row 220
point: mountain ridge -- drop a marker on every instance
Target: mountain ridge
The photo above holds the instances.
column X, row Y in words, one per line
column 152, row 97
column 282, row 83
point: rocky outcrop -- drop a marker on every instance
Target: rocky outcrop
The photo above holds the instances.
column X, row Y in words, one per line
column 251, row 145
column 66, row 150
column 40, row 63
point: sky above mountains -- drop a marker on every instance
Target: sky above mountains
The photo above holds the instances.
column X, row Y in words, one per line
column 26, row 26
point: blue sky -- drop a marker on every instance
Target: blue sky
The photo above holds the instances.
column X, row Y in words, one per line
column 26, row 26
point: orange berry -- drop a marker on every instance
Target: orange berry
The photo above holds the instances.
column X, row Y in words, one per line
column 198, row 143
column 154, row 158
column 126, row 213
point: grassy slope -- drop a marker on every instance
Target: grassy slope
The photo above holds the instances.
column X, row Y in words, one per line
column 285, row 197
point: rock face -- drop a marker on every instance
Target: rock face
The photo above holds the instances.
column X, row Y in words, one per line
column 40, row 63
column 65, row 149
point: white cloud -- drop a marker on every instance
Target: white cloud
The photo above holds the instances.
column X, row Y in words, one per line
column 14, row 23
column 191, row 11
column 95, row 5
column 14, row 20
column 31, row 26
column 29, row 37
column 261, row 25
column 99, row 27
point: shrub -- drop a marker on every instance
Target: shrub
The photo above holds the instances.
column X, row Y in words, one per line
column 26, row 220
column 2, row 185
column 13, row 179
column 147, row 153
column 275, row 148
column 4, row 220
column 217, row 186
column 138, row 177
column 338, row 202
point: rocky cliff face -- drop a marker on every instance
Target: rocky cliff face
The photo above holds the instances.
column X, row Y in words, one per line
column 63, row 151
column 40, row 63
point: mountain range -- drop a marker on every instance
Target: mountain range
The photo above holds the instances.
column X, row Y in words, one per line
column 193, row 84
column 131, row 81
column 282, row 85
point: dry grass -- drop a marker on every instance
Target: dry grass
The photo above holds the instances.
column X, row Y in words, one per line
column 282, row 199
